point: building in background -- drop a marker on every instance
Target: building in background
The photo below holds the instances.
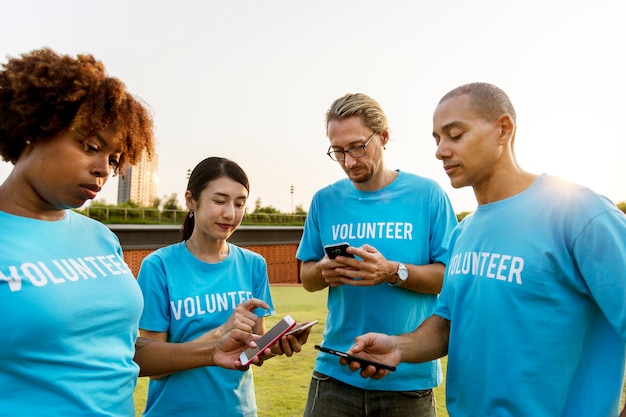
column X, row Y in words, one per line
column 139, row 184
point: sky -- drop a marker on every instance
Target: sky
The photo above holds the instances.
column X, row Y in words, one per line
column 251, row 80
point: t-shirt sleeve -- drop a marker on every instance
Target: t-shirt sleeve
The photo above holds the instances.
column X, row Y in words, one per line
column 443, row 220
column 310, row 247
column 600, row 253
column 262, row 287
column 153, row 284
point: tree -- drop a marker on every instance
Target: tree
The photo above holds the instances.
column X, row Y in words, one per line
column 460, row 216
column 171, row 202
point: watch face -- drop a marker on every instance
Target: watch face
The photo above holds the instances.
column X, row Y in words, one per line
column 403, row 273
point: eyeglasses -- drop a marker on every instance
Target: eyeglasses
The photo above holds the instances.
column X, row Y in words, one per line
column 339, row 155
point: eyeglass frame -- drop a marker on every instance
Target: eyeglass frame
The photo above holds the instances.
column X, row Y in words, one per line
column 349, row 151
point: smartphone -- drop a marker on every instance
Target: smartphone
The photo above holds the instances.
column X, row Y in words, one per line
column 337, row 249
column 271, row 336
column 362, row 361
column 301, row 328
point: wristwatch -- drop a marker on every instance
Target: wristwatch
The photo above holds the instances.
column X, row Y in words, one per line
column 403, row 275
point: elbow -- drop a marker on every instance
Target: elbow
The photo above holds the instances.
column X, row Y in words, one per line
column 311, row 277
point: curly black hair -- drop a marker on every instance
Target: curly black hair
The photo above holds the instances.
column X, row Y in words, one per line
column 43, row 93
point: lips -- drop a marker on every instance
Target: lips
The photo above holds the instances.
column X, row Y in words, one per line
column 90, row 190
column 224, row 226
column 450, row 168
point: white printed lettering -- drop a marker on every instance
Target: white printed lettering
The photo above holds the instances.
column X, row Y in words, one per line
column 506, row 268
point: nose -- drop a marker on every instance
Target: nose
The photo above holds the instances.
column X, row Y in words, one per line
column 348, row 160
column 229, row 211
column 101, row 167
column 443, row 151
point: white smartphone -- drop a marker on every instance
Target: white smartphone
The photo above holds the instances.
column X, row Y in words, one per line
column 268, row 339
column 301, row 328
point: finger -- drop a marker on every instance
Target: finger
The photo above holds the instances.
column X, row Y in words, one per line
column 380, row 373
column 357, row 347
column 369, row 371
column 285, row 344
column 246, row 338
column 303, row 336
column 356, row 282
column 254, row 303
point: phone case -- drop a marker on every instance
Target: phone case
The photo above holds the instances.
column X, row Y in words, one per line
column 268, row 339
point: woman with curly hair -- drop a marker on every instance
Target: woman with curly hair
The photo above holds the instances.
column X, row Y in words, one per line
column 69, row 304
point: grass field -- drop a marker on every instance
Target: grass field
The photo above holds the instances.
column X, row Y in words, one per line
column 282, row 383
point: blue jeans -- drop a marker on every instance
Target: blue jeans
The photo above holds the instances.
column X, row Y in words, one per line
column 331, row 398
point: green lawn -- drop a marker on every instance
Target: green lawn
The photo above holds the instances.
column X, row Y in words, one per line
column 282, row 383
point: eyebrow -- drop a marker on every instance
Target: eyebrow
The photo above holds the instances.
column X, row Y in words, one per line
column 351, row 144
column 104, row 142
column 447, row 127
column 225, row 195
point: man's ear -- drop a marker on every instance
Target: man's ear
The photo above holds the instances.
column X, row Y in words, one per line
column 507, row 128
column 384, row 137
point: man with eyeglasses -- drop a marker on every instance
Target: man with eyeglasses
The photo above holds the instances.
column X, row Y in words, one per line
column 397, row 225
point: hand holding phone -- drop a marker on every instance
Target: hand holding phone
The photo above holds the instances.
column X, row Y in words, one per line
column 364, row 362
column 267, row 340
column 338, row 249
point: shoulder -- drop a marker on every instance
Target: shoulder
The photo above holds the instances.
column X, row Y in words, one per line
column 245, row 254
column 84, row 223
column 166, row 252
column 573, row 197
column 418, row 180
column 338, row 186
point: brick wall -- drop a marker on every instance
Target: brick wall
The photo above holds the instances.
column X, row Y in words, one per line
column 282, row 266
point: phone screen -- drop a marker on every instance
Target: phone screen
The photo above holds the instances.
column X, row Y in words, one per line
column 268, row 339
column 362, row 361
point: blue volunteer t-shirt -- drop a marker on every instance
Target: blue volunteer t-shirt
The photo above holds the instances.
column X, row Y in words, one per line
column 69, row 309
column 536, row 294
column 408, row 221
column 187, row 297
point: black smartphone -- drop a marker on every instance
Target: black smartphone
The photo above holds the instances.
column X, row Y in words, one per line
column 268, row 339
column 364, row 362
column 337, row 249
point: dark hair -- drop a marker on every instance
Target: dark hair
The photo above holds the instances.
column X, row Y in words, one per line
column 486, row 100
column 43, row 94
column 206, row 171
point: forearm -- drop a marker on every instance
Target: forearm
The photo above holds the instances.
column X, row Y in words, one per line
column 425, row 279
column 428, row 342
column 158, row 358
column 311, row 276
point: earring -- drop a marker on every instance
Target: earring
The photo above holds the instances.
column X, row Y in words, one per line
column 191, row 215
column 27, row 142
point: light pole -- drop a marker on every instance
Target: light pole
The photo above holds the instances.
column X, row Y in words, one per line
column 292, row 190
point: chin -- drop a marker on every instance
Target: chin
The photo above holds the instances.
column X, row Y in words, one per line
column 457, row 183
